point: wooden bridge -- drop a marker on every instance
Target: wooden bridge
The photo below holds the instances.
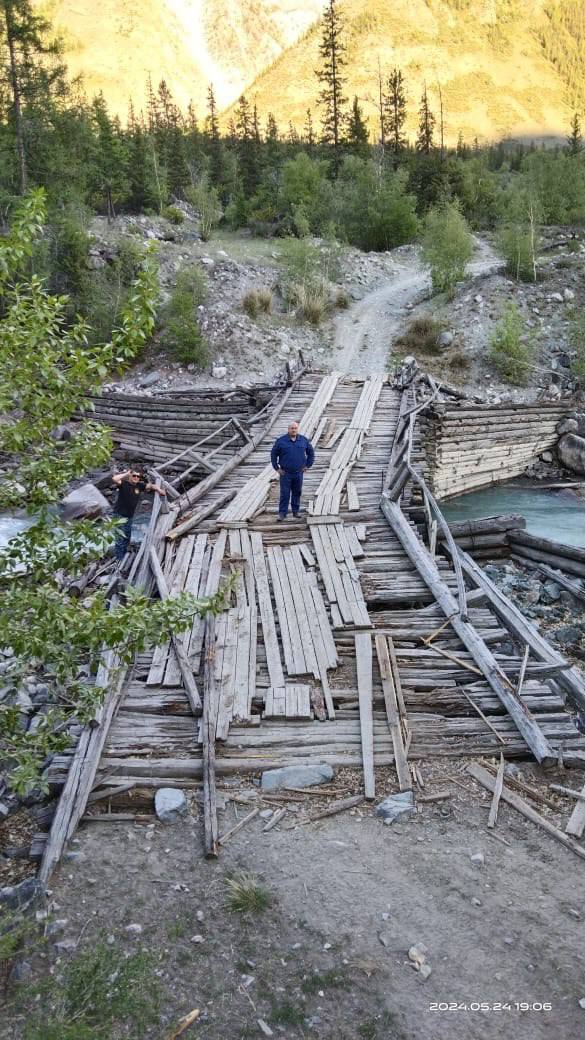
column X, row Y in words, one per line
column 358, row 634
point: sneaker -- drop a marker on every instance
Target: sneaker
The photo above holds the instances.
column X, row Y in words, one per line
column 281, row 516
column 296, row 514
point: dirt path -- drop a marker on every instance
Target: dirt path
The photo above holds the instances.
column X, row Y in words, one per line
column 364, row 333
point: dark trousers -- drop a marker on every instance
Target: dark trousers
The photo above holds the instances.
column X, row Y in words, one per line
column 291, row 485
column 123, row 535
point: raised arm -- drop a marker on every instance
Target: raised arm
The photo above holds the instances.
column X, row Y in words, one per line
column 119, row 477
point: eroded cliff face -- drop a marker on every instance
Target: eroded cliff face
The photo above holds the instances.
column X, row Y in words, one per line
column 190, row 43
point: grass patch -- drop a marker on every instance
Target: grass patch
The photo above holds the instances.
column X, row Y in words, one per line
column 421, row 337
column 287, row 1015
column 245, row 894
column 326, row 980
column 97, row 992
column 257, row 301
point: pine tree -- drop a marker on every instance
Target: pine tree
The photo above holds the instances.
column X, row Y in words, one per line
column 426, row 126
column 330, row 75
column 213, row 138
column 395, row 112
column 461, row 146
column 293, row 134
column 309, row 133
column 110, row 159
column 357, row 132
column 272, row 149
column 575, row 138
column 30, row 65
column 247, row 146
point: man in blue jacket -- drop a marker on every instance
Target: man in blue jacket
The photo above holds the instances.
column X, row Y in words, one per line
column 291, row 455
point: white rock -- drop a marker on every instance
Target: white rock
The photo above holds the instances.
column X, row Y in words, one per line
column 424, row 971
column 133, row 929
column 478, row 858
column 568, row 294
column 197, row 939
column 170, row 804
column 582, row 1003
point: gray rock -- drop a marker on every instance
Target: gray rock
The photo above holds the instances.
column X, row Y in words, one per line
column 28, row 893
column 56, row 927
column 478, row 859
column 150, row 379
column 571, row 451
column 556, row 296
column 66, row 946
column 445, row 339
column 547, row 456
column 133, row 929
column 85, row 501
column 296, row 776
column 265, row 814
column 568, row 294
column 4, row 811
column 568, row 426
column 396, row 806
column 424, row 971
column 568, row 634
column 23, row 702
column 21, row 971
column 551, row 592
column 384, row 938
column 170, row 804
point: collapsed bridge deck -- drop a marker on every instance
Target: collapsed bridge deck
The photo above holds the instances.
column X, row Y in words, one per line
column 333, row 647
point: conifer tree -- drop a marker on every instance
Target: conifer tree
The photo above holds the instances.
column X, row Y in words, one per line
column 357, row 132
column 31, row 67
column 213, row 138
column 110, row 158
column 330, row 75
column 309, row 133
column 247, row 146
column 575, row 138
column 395, row 112
column 426, row 126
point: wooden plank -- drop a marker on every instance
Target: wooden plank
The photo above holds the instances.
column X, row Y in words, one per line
column 271, row 643
column 497, row 794
column 290, row 603
column 285, row 635
column 363, row 652
column 391, row 703
column 84, row 765
column 576, row 824
column 184, row 663
column 228, row 674
column 489, row 782
column 298, row 702
column 275, row 703
column 353, row 502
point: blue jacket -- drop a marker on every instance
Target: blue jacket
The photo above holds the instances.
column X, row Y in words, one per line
column 290, row 455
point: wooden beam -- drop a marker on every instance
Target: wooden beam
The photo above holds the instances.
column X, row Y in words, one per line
column 208, row 742
column 363, row 653
column 480, row 652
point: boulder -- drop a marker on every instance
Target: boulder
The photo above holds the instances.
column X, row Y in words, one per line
column 296, row 776
column 445, row 339
column 170, row 804
column 150, row 379
column 571, row 451
column 396, row 806
column 84, row 501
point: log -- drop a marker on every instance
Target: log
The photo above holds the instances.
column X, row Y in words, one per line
column 573, row 552
column 480, row 652
column 493, row 816
column 336, row 807
column 208, row 743
column 571, row 586
column 564, row 563
column 489, row 782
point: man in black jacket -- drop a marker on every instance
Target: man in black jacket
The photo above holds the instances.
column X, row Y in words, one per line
column 131, row 484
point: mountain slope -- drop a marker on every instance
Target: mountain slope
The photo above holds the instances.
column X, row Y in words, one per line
column 486, row 55
column 117, row 44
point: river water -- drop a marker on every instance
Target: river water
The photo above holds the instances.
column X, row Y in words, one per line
column 556, row 514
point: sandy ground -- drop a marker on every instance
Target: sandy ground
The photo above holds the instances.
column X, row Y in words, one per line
column 329, row 958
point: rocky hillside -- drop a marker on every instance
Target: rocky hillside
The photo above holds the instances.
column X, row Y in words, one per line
column 487, row 55
column 190, row 43
column 505, row 66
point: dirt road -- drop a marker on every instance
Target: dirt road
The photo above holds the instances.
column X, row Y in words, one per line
column 364, row 334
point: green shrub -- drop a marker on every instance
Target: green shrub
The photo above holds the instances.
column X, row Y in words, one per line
column 181, row 334
column 577, row 339
column 373, row 210
column 511, row 349
column 205, row 199
column 174, row 215
column 517, row 245
column 446, row 246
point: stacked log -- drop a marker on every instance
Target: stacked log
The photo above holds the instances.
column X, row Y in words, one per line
column 473, row 446
column 489, row 536
column 531, row 548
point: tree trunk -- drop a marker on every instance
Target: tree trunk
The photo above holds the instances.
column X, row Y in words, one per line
column 16, row 100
